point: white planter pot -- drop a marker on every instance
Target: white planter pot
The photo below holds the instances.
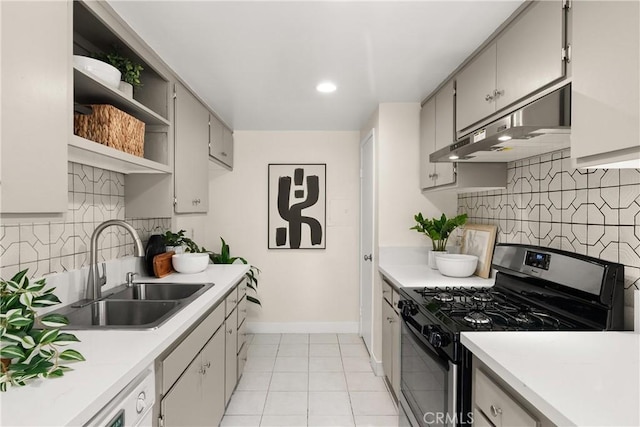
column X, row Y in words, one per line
column 432, row 258
column 126, row 88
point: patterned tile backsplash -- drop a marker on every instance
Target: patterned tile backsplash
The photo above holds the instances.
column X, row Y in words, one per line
column 95, row 195
column 548, row 203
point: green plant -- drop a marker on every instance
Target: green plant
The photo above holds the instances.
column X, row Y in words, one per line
column 179, row 239
column 224, row 257
column 130, row 70
column 28, row 351
column 438, row 230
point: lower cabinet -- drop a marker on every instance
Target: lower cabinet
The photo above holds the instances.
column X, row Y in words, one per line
column 198, row 375
column 391, row 338
column 197, row 398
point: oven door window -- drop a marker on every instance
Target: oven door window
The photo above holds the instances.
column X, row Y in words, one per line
column 424, row 381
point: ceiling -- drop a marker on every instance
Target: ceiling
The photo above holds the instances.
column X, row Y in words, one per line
column 257, row 63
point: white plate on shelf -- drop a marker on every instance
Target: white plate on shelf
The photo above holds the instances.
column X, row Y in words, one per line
column 106, row 73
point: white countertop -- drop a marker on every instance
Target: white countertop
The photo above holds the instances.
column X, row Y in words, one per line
column 114, row 358
column 574, row 378
column 407, row 267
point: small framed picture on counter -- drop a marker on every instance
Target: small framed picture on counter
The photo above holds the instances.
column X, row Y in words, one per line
column 478, row 240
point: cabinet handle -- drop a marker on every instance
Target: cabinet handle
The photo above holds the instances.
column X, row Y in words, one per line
column 498, row 93
column 195, row 202
column 495, row 411
column 202, row 370
column 230, row 331
column 243, row 311
column 223, row 154
column 488, row 97
column 390, row 319
column 207, row 365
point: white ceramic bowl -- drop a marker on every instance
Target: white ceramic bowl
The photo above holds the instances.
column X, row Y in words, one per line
column 456, row 265
column 190, row 263
column 107, row 73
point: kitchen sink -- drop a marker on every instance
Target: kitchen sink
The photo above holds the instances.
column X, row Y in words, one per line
column 160, row 291
column 122, row 314
column 136, row 307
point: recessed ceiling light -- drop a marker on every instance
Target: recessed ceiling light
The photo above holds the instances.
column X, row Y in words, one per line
column 326, row 87
column 504, row 138
column 453, row 157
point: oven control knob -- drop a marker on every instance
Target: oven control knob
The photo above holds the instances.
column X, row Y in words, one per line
column 438, row 339
column 408, row 308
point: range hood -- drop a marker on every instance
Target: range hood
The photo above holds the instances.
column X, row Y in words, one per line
column 540, row 127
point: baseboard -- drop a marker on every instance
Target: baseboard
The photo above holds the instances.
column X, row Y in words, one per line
column 376, row 365
column 302, row 327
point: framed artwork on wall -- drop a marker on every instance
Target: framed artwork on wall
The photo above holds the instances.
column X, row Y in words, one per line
column 479, row 240
column 297, row 206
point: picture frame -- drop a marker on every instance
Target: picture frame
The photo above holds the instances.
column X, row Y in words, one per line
column 297, row 205
column 479, row 240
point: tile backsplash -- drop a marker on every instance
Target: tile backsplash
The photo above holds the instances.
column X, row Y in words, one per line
column 95, row 195
column 594, row 212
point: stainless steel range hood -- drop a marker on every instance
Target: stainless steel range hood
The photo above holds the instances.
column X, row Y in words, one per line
column 540, row 127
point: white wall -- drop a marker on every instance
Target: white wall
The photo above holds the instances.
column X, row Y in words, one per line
column 300, row 290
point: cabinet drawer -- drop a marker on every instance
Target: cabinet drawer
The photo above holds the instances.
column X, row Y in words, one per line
column 231, row 301
column 498, row 406
column 242, row 331
column 242, row 359
column 242, row 310
column 387, row 292
column 174, row 364
column 395, row 299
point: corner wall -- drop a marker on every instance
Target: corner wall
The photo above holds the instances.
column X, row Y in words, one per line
column 308, row 290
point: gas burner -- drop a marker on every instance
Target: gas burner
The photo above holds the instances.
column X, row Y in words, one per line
column 444, row 297
column 477, row 318
column 523, row 319
column 482, row 297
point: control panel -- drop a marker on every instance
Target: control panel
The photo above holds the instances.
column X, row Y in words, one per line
column 537, row 259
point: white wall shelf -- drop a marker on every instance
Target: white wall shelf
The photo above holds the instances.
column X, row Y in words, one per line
column 91, row 153
column 89, row 90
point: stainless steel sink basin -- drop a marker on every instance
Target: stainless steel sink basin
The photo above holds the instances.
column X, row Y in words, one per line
column 141, row 306
column 122, row 314
column 161, row 291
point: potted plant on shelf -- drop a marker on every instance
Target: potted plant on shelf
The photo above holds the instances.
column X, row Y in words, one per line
column 30, row 344
column 129, row 69
column 438, row 230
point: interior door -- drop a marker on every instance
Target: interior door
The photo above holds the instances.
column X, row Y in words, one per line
column 367, row 236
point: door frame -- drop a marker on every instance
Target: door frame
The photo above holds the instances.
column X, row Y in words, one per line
column 370, row 136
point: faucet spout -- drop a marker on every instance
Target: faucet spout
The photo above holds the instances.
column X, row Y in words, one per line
column 95, row 281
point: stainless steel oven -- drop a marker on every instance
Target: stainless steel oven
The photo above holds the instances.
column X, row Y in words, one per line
column 536, row 289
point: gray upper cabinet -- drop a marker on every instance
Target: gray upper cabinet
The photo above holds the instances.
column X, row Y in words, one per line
column 605, row 92
column 36, row 106
column 436, row 131
column 191, row 146
column 220, row 142
column 524, row 58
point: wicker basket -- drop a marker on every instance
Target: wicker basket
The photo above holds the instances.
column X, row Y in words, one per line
column 111, row 127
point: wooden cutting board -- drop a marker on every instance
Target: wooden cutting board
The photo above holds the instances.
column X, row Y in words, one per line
column 162, row 265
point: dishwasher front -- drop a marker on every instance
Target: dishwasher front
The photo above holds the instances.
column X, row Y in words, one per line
column 132, row 407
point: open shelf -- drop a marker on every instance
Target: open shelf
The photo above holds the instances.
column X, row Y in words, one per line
column 89, row 90
column 91, row 153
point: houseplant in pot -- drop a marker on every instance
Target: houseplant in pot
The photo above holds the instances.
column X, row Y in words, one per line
column 438, row 230
column 129, row 69
column 30, row 343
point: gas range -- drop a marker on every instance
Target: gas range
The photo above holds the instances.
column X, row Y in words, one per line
column 536, row 289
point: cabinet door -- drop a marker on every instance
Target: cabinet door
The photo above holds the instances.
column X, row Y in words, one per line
column 474, row 89
column 529, row 52
column 427, row 143
column 605, row 113
column 499, row 407
column 395, row 352
column 445, row 133
column 216, row 129
column 227, row 147
column 231, row 355
column 191, row 147
column 183, row 405
column 213, row 387
column 37, row 92
column 387, row 342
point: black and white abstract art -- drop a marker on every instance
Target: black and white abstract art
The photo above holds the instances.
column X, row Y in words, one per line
column 297, row 206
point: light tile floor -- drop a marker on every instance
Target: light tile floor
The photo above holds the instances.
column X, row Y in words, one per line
column 309, row 380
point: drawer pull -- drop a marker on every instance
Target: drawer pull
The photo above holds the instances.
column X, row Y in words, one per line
column 495, row 411
column 230, row 331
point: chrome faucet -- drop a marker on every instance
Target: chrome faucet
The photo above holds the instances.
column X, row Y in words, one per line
column 96, row 281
